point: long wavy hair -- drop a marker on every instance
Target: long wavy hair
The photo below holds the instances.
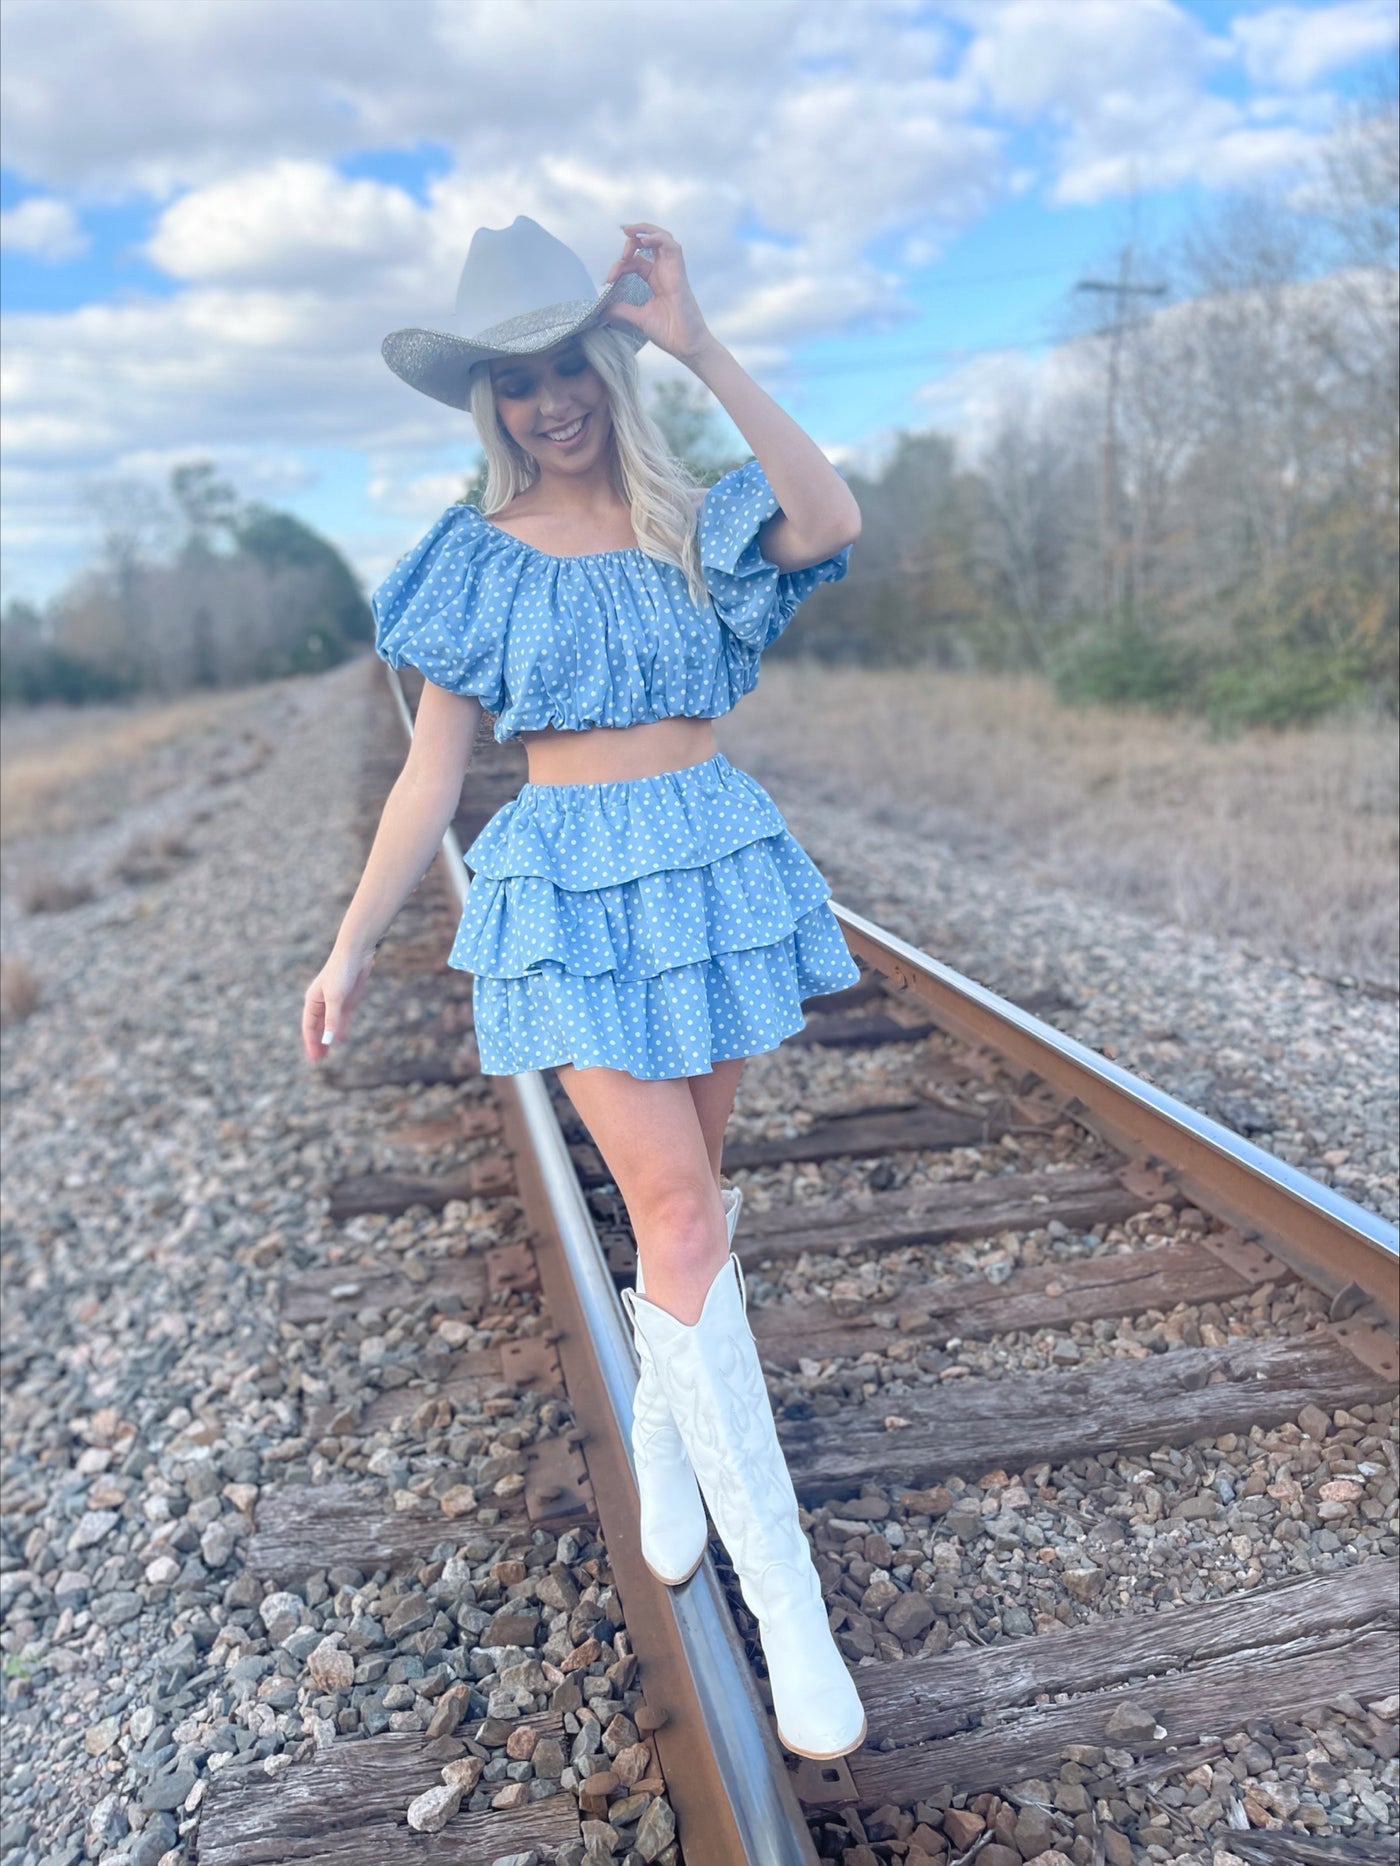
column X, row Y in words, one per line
column 655, row 484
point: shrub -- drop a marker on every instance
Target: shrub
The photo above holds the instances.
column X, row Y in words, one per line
column 1123, row 665
column 1288, row 687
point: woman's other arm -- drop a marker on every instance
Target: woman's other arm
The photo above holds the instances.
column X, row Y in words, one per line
column 819, row 515
column 414, row 819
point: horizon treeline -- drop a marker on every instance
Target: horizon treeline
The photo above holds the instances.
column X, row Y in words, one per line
column 195, row 590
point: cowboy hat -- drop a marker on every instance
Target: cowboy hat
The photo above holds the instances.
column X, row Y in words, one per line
column 521, row 291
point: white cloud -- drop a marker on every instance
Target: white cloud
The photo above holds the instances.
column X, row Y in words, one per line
column 417, row 496
column 974, row 399
column 1034, row 56
column 1293, row 46
column 292, row 223
column 1122, row 87
column 46, row 227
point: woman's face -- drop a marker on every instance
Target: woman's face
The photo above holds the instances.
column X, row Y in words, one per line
column 538, row 397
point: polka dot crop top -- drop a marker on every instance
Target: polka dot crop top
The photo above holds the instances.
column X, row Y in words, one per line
column 610, row 638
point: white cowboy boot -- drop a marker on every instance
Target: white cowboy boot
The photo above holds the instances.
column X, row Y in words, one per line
column 673, row 1530
column 710, row 1373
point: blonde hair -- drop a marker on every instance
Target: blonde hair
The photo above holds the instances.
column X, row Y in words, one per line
column 656, row 485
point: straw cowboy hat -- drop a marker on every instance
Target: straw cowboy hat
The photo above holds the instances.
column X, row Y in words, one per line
column 521, row 291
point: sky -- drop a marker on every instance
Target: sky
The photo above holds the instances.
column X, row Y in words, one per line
column 211, row 214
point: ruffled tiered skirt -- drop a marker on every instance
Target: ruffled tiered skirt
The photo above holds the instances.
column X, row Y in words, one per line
column 657, row 925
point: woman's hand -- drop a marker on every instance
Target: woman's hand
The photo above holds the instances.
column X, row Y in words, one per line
column 330, row 998
column 671, row 318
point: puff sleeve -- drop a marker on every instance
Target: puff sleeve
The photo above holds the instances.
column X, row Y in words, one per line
column 437, row 612
column 753, row 598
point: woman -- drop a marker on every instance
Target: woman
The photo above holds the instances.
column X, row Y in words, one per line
column 640, row 919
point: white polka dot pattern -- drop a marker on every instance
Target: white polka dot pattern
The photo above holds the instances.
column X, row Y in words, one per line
column 657, row 925
column 610, row 638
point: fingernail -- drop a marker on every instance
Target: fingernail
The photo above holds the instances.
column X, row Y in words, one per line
column 328, row 1036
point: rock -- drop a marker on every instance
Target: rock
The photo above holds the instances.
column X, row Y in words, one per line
column 216, row 1544
column 1117, row 1848
column 998, row 1855
column 889, row 1822
column 526, row 1676
column 515, row 1625
column 910, row 1616
column 430, row 1812
column 463, row 1772
column 460, row 1500
column 412, row 1615
column 1084, row 1584
column 1130, row 1723
column 656, row 1829
column 281, row 1615
column 119, row 1608
column 548, row 1758
column 962, row 1827
column 1314, row 1422
column 155, row 1840
column 167, row 1791
column 451, row 1708
column 878, row 1596
column 91, row 1527
column 99, row 1737
column 330, row 1668
column 1196, row 1510
column 1034, row 1832
column 619, row 1734
column 628, row 1808
column 106, row 1825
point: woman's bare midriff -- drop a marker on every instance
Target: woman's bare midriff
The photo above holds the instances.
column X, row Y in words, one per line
column 603, row 753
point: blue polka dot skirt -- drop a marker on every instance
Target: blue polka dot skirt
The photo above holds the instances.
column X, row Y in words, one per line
column 657, row 925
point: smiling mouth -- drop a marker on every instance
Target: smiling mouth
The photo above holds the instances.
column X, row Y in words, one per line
column 561, row 437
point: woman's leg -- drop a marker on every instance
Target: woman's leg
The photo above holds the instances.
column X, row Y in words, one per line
column 650, row 1136
column 713, row 1096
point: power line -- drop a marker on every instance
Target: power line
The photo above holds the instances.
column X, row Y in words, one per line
column 913, row 360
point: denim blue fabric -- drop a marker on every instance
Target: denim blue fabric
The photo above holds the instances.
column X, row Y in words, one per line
column 609, row 638
column 656, row 925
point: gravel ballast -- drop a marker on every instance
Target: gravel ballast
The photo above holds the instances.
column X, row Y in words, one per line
column 168, row 1156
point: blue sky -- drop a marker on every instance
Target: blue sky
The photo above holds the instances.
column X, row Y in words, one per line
column 211, row 216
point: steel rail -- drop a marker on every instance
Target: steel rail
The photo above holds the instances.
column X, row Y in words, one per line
column 725, row 1776
column 1327, row 1239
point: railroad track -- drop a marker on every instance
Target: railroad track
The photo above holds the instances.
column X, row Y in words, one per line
column 1091, row 1407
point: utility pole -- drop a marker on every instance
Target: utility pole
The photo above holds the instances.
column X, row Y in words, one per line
column 1120, row 290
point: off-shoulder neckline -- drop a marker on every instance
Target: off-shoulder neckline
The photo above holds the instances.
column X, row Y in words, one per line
column 555, row 557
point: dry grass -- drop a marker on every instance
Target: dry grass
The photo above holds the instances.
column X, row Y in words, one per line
column 70, row 767
column 1286, row 842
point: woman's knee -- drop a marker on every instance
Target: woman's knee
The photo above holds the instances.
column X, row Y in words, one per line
column 679, row 1205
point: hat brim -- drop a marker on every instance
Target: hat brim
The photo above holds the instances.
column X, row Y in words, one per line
column 438, row 362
